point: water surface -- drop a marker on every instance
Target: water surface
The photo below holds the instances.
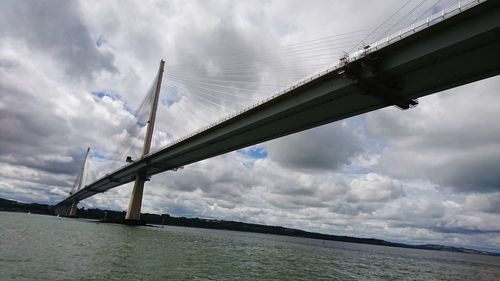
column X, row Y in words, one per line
column 35, row 247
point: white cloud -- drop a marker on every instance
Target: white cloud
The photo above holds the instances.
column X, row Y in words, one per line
column 374, row 187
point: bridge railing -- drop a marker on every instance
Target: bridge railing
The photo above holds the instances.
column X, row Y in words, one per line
column 420, row 25
column 391, row 39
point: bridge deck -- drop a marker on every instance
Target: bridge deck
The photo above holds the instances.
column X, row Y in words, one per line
column 461, row 49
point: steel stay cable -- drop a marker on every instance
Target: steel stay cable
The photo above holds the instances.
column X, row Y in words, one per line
column 395, row 25
column 292, row 52
column 240, row 81
column 312, row 42
column 214, row 90
column 269, row 59
column 124, row 140
column 283, row 67
column 208, row 100
column 270, row 55
column 215, row 97
column 322, row 40
column 252, row 90
column 188, row 96
column 211, row 85
column 254, row 64
column 379, row 26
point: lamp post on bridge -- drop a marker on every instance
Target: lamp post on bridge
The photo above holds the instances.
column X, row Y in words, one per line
column 134, row 207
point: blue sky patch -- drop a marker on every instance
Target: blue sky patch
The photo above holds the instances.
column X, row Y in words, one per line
column 141, row 124
column 172, row 96
column 356, row 170
column 376, row 145
column 168, row 102
column 114, row 96
column 99, row 94
column 103, row 93
column 98, row 155
column 254, row 152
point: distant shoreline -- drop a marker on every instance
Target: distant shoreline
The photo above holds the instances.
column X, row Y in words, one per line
column 165, row 219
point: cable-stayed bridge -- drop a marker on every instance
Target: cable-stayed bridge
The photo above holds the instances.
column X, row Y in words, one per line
column 456, row 46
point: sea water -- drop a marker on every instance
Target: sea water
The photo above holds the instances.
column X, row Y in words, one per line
column 36, row 247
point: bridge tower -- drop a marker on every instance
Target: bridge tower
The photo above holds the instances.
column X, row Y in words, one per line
column 134, row 207
column 78, row 185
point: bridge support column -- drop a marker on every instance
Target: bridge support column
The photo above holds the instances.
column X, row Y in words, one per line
column 134, row 206
column 62, row 211
column 73, row 209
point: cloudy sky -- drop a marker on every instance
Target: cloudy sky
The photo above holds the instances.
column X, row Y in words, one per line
column 72, row 74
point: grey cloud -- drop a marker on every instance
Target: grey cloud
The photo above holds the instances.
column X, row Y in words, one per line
column 21, row 173
column 416, row 209
column 7, row 64
column 489, row 203
column 352, row 209
column 28, row 191
column 34, row 141
column 21, row 130
column 454, row 141
column 447, row 228
column 467, row 223
column 55, row 27
column 325, row 148
column 61, row 164
column 187, row 181
column 430, row 212
column 213, row 61
column 227, row 185
column 474, row 230
column 295, row 202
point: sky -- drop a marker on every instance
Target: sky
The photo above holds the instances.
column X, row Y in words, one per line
column 72, row 74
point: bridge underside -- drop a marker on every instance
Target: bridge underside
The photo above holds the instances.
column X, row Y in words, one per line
column 62, row 210
column 454, row 52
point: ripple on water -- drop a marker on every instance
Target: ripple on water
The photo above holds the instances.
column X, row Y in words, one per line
column 34, row 247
